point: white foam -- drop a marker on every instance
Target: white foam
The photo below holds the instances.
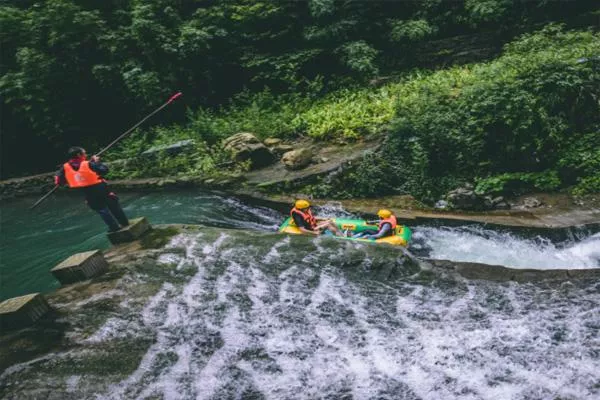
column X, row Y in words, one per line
column 491, row 247
column 308, row 331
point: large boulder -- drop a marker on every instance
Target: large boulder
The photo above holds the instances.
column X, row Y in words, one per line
column 465, row 198
column 297, row 159
column 270, row 142
column 281, row 149
column 245, row 146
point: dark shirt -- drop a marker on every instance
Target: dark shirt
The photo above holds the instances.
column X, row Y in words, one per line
column 300, row 222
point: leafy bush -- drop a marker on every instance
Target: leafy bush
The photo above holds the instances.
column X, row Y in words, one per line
column 507, row 120
column 513, row 124
column 518, row 183
column 201, row 159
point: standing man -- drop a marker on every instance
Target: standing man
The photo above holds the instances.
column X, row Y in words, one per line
column 87, row 177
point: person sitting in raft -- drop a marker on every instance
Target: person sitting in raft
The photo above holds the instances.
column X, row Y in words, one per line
column 387, row 227
column 87, row 177
column 307, row 223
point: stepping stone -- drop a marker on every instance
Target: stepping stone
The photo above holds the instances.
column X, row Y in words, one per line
column 80, row 266
column 22, row 311
column 137, row 227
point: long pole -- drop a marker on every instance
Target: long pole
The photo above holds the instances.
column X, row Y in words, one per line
column 127, row 132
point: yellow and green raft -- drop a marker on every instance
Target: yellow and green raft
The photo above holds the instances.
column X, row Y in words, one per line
column 400, row 238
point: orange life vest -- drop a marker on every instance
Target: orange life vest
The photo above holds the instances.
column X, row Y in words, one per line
column 306, row 216
column 391, row 220
column 81, row 178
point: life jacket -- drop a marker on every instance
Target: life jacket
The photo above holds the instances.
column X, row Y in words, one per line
column 83, row 177
column 392, row 221
column 306, row 216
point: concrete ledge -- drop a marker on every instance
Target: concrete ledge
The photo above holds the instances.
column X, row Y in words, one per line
column 22, row 311
column 499, row 273
column 80, row 266
column 137, row 227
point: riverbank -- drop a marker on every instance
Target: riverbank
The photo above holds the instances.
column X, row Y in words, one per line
column 555, row 210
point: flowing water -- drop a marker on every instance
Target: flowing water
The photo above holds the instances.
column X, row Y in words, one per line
column 247, row 313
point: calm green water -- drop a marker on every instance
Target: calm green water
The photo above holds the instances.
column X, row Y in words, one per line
column 32, row 242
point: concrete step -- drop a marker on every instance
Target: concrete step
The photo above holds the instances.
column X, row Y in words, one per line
column 80, row 267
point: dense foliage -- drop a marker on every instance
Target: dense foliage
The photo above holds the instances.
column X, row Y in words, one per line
column 81, row 71
column 528, row 120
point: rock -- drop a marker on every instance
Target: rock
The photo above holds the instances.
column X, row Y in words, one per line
column 170, row 149
column 282, row 149
column 441, row 204
column 502, row 206
column 137, row 227
column 270, row 142
column 245, row 146
column 80, row 266
column 297, row 159
column 531, row 202
column 464, row 199
column 488, row 202
column 22, row 311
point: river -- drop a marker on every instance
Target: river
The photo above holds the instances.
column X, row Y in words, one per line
column 241, row 312
column 33, row 241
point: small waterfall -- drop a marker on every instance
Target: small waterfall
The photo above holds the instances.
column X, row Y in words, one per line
column 478, row 244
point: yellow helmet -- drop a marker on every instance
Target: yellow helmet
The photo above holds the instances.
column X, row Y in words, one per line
column 384, row 213
column 302, row 204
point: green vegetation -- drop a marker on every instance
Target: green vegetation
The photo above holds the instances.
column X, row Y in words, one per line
column 525, row 121
column 81, row 71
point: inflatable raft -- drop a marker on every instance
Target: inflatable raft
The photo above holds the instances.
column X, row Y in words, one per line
column 400, row 238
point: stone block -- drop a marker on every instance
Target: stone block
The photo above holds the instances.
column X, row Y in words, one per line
column 80, row 266
column 137, row 227
column 22, row 311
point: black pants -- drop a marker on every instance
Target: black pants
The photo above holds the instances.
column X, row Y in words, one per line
column 100, row 199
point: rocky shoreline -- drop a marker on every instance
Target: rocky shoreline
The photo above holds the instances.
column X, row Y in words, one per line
column 557, row 210
column 266, row 182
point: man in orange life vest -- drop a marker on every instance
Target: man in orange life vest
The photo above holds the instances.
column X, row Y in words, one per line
column 307, row 223
column 87, row 177
column 387, row 227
